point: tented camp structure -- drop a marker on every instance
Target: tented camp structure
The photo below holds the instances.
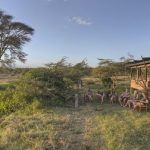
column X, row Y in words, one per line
column 140, row 74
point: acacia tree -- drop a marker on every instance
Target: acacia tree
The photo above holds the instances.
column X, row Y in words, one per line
column 13, row 35
column 74, row 72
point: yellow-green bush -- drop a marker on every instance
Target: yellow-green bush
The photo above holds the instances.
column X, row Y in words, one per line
column 49, row 87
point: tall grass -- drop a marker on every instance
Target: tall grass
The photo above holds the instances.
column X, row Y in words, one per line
column 88, row 128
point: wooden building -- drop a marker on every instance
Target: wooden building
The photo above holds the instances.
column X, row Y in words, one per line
column 140, row 74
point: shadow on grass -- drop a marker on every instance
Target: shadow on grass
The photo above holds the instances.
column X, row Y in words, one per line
column 90, row 127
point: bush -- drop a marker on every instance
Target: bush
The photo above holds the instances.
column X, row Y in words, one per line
column 49, row 87
column 107, row 81
column 45, row 84
column 89, row 82
column 32, row 108
column 10, row 101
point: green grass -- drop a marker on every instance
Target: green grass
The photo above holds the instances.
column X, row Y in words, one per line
column 6, row 81
column 3, row 87
column 90, row 127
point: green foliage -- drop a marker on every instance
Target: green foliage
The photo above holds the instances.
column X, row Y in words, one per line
column 32, row 108
column 109, row 68
column 50, row 87
column 10, row 101
column 6, row 86
column 89, row 82
column 13, row 36
column 107, row 82
column 78, row 70
column 71, row 72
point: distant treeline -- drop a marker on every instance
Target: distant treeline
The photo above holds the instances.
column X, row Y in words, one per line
column 103, row 69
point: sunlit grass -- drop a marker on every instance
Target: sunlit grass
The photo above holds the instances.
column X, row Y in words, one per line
column 7, row 78
column 93, row 127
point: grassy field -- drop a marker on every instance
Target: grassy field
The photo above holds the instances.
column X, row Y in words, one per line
column 7, row 78
column 90, row 127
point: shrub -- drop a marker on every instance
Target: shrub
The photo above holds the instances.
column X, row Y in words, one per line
column 107, row 81
column 45, row 84
column 32, row 108
column 89, row 82
column 49, row 87
column 10, row 101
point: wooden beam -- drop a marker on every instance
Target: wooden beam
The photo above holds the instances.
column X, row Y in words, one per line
column 146, row 74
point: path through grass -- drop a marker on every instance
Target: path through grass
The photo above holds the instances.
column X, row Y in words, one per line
column 91, row 127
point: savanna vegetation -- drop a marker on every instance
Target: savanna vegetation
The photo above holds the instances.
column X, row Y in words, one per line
column 37, row 104
column 37, row 109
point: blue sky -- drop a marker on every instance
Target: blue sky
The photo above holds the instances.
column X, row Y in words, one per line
column 82, row 29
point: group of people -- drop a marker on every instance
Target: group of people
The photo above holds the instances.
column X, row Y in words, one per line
column 88, row 96
column 125, row 99
column 133, row 101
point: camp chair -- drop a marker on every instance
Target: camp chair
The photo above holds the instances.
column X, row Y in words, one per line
column 142, row 105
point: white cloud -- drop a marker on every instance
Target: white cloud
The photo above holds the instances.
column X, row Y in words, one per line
column 81, row 21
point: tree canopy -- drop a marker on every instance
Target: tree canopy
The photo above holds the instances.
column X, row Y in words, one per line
column 13, row 35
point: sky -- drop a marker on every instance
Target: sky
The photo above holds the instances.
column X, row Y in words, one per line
column 82, row 29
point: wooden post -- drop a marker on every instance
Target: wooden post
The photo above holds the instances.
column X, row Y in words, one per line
column 80, row 84
column 137, row 76
column 146, row 73
column 76, row 101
